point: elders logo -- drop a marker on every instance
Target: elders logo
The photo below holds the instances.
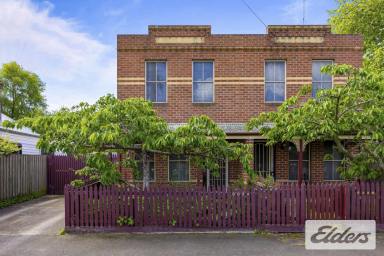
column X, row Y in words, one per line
column 340, row 234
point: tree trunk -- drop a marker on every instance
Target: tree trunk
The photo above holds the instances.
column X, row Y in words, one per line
column 146, row 170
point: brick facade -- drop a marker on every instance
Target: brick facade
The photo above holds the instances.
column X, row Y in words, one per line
column 238, row 75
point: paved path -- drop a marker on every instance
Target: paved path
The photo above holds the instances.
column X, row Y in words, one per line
column 32, row 229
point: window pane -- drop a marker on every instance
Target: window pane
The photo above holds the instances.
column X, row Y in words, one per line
column 279, row 71
column 326, row 85
column 328, row 169
column 269, row 71
column 292, row 152
column 293, row 167
column 330, row 149
column 316, row 74
column 202, row 92
column 178, row 170
column 151, row 91
column 336, row 175
column 161, row 71
column 198, row 71
column 151, row 71
column 269, row 92
column 316, row 86
column 208, row 71
column 279, row 92
column 161, row 92
column 326, row 77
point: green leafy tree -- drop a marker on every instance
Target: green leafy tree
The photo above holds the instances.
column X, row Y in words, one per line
column 131, row 128
column 354, row 110
column 21, row 92
column 7, row 147
column 364, row 17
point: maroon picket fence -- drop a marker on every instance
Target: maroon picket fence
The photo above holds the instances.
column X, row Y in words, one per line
column 160, row 209
column 61, row 171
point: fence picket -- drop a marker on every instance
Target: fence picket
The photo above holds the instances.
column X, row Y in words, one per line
column 285, row 206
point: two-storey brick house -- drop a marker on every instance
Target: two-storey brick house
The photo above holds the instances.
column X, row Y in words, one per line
column 186, row 71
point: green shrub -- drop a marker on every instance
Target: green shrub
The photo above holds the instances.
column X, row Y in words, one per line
column 123, row 221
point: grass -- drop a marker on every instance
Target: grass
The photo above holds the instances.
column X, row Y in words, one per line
column 20, row 198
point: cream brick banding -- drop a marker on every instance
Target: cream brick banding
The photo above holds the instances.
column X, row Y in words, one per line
column 130, row 79
column 239, row 78
column 238, row 82
column 130, row 83
column 299, row 39
column 179, row 40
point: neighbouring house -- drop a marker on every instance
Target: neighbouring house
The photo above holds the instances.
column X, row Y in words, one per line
column 187, row 70
column 24, row 138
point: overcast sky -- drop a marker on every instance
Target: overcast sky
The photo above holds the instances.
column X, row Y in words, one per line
column 71, row 44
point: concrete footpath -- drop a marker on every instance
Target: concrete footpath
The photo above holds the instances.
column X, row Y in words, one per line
column 32, row 228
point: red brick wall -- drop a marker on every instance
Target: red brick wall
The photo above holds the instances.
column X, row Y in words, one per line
column 234, row 56
column 238, row 71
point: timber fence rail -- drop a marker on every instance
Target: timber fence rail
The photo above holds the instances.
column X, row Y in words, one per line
column 164, row 208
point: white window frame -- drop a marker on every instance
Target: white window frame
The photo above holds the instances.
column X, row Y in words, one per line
column 166, row 80
column 285, row 81
column 189, row 170
column 332, row 77
column 213, row 81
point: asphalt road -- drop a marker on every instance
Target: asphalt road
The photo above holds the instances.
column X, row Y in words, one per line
column 32, row 229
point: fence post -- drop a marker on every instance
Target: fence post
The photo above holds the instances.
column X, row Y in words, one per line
column 66, row 205
column 302, row 203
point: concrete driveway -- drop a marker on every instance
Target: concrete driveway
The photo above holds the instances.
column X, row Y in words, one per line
column 32, row 229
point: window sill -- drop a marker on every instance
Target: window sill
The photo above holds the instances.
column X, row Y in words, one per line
column 273, row 102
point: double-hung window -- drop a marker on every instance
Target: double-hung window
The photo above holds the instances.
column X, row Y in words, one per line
column 320, row 80
column 178, row 168
column 274, row 81
column 294, row 162
column 202, row 82
column 138, row 174
column 156, row 81
column 331, row 165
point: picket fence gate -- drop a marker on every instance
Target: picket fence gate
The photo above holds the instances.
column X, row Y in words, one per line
column 284, row 208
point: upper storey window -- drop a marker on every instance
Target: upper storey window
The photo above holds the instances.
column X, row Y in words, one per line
column 274, row 81
column 156, row 81
column 202, row 82
column 320, row 80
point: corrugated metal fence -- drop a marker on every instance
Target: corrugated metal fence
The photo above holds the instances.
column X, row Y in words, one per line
column 22, row 174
